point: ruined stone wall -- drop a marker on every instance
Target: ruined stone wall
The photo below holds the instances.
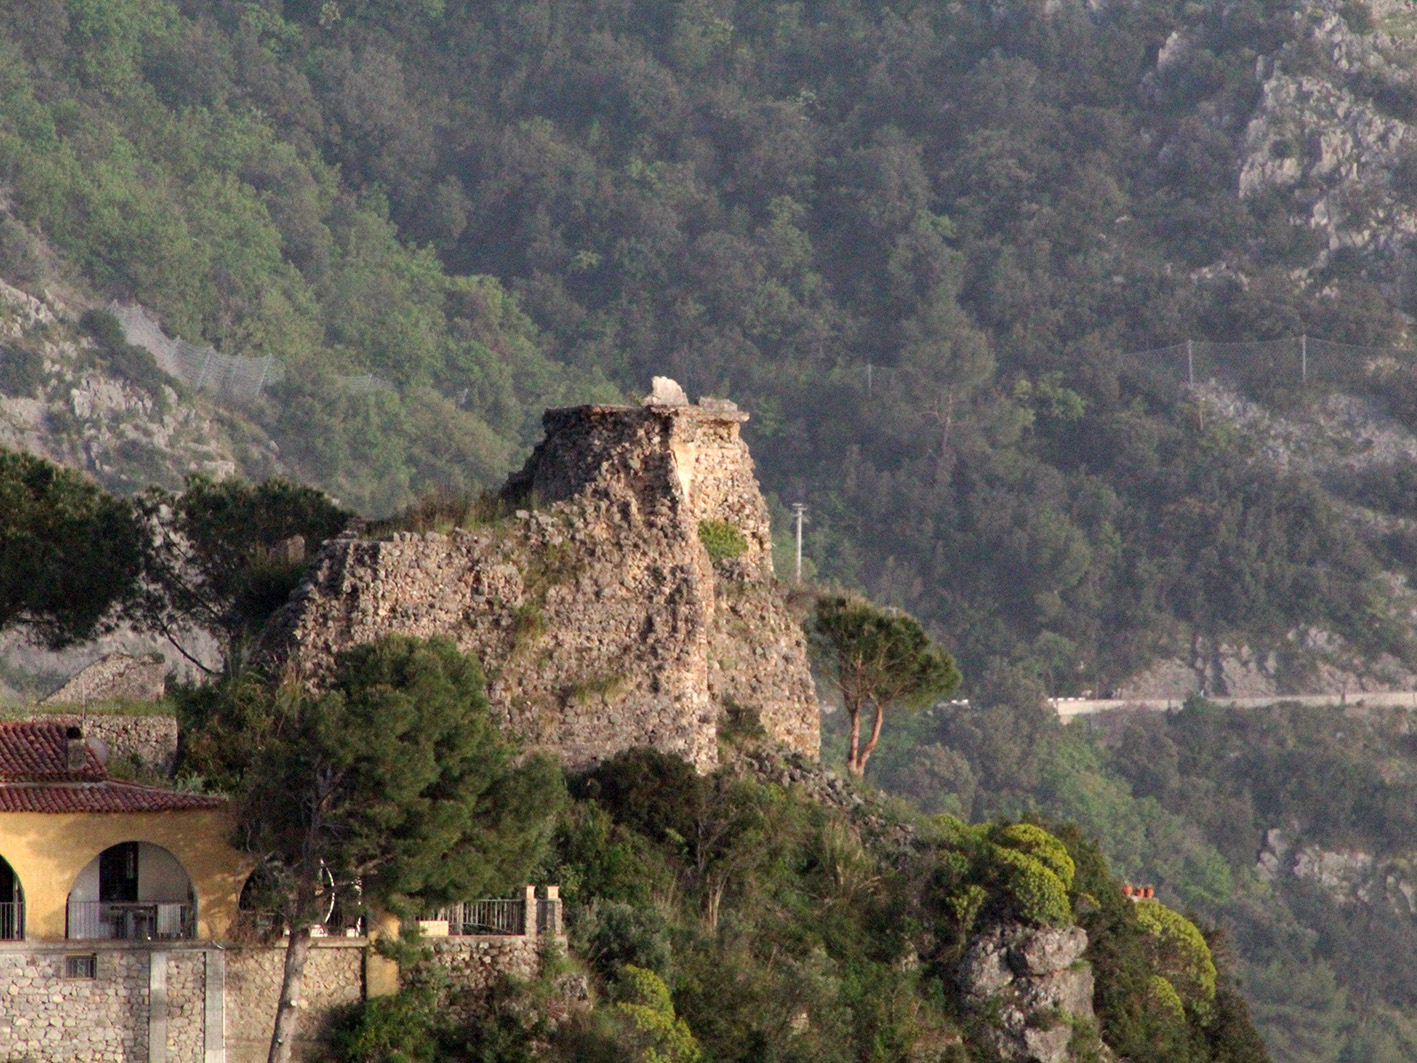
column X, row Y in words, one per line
column 47, row 1017
column 117, row 677
column 476, row 965
column 599, row 617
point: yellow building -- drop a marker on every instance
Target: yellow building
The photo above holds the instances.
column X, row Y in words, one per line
column 87, row 857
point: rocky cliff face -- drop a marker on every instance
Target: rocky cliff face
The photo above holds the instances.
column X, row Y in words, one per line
column 1034, row 987
column 58, row 400
column 600, row 616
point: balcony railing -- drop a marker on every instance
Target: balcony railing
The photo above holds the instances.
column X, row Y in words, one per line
column 485, row 917
column 12, row 921
column 131, row 921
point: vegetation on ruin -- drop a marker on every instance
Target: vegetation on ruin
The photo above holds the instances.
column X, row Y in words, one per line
column 722, row 539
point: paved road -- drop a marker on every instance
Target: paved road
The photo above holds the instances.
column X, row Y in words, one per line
column 1070, row 707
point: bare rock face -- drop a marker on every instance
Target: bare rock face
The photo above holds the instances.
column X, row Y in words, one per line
column 1032, row 985
column 596, row 610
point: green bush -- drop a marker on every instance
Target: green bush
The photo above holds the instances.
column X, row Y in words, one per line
column 133, row 364
column 722, row 540
column 21, row 371
column 1032, row 892
column 651, row 1030
column 1179, row 952
column 1038, row 843
column 396, row 1029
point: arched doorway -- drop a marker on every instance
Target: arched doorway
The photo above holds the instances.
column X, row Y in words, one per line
column 12, row 904
column 135, row 891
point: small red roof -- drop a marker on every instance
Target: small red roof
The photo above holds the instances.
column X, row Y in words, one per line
column 35, row 777
column 34, row 751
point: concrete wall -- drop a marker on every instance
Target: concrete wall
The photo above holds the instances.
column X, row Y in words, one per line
column 49, row 852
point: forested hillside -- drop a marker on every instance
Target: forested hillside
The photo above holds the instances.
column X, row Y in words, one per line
column 1290, row 828
column 916, row 240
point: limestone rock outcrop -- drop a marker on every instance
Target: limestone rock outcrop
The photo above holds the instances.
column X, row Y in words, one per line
column 1034, row 986
column 601, row 618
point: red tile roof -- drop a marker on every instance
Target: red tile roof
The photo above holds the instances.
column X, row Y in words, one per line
column 38, row 751
column 35, row 777
column 106, row 796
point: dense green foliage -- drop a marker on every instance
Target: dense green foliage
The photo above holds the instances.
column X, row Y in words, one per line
column 220, row 558
column 1188, row 801
column 876, row 658
column 724, row 919
column 69, row 552
column 912, row 239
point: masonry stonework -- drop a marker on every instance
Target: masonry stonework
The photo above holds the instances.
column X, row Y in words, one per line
column 148, row 740
column 595, row 609
column 334, row 979
column 47, row 1016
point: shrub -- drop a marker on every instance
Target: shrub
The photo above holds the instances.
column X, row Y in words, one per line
column 21, row 371
column 721, row 539
column 396, row 1029
column 651, row 1030
column 1179, row 952
column 1162, row 995
column 615, row 935
column 1032, row 891
column 1039, row 844
column 133, row 364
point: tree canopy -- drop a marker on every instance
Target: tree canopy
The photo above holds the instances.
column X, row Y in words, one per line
column 69, row 552
column 876, row 657
column 393, row 787
column 221, row 557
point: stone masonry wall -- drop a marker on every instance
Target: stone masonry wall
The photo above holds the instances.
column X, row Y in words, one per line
column 476, row 965
column 117, row 677
column 46, row 1017
column 599, row 617
column 149, row 740
column 334, row 978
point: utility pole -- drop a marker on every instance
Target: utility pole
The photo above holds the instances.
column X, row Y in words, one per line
column 1304, row 358
column 799, row 508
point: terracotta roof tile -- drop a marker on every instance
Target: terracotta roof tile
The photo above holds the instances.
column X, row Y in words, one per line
column 34, row 751
column 35, row 777
column 106, row 796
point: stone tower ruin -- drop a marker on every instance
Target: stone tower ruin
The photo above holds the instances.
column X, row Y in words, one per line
column 595, row 607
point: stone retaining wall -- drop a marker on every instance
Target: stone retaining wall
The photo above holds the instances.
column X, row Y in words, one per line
column 204, row 1003
column 476, row 964
column 46, row 1016
column 151, row 741
column 334, row 980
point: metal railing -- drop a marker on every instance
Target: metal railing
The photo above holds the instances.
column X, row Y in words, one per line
column 131, row 921
column 12, row 921
column 485, row 917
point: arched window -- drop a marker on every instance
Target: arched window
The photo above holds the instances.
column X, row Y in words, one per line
column 12, row 904
column 133, row 890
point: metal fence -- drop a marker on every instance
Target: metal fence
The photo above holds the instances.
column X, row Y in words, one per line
column 230, row 377
column 12, row 921
column 131, row 921
column 486, row 917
